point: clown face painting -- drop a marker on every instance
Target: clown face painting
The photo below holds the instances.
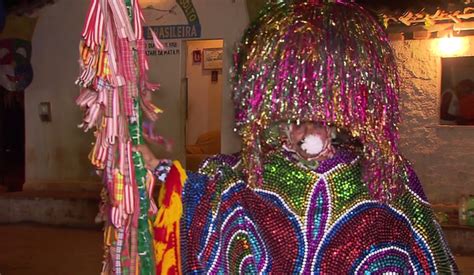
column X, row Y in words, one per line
column 16, row 72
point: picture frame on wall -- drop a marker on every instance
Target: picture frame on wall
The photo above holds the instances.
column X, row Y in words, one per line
column 457, row 91
column 212, row 58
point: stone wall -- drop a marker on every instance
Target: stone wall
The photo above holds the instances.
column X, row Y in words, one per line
column 443, row 156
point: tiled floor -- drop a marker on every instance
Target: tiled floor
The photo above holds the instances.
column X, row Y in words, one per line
column 27, row 249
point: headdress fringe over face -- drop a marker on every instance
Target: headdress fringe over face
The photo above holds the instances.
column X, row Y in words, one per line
column 326, row 62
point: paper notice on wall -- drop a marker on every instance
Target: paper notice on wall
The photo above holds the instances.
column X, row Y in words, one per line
column 171, row 47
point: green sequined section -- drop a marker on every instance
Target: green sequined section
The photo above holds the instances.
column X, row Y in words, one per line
column 227, row 176
column 292, row 183
column 420, row 213
column 422, row 219
column 209, row 168
column 346, row 188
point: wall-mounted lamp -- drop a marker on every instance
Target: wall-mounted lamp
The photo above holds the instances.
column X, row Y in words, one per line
column 451, row 46
column 44, row 111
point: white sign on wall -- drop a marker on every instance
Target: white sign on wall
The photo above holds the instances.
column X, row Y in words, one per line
column 172, row 21
column 172, row 47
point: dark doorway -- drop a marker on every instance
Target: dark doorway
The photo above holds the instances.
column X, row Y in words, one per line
column 12, row 140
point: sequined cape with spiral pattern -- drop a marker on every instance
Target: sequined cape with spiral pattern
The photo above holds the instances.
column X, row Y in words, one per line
column 301, row 221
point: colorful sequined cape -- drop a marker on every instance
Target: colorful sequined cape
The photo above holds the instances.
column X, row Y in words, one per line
column 306, row 221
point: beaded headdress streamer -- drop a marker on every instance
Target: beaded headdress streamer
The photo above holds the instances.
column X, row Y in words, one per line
column 326, row 62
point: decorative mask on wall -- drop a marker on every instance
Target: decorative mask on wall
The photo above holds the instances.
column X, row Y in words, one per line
column 16, row 73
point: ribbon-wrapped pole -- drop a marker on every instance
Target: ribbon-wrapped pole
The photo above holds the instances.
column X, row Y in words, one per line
column 114, row 96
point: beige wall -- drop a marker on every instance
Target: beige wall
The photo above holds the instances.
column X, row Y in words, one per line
column 56, row 152
column 443, row 156
column 204, row 96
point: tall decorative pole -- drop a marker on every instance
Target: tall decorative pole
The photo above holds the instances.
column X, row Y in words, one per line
column 115, row 95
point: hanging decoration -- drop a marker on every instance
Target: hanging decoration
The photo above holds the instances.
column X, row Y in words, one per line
column 115, row 96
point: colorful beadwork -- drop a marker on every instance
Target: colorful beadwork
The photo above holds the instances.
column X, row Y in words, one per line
column 269, row 212
column 300, row 220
